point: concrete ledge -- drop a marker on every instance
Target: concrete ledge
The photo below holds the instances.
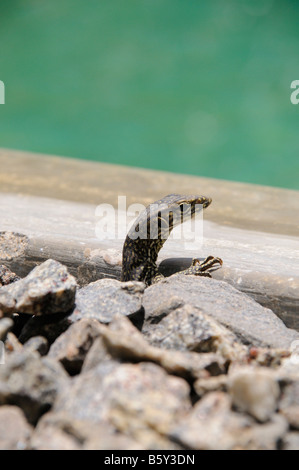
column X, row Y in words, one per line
column 48, row 203
column 248, row 206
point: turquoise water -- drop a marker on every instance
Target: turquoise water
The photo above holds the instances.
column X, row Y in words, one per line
column 199, row 87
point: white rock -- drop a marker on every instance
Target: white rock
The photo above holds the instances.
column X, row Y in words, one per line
column 255, row 391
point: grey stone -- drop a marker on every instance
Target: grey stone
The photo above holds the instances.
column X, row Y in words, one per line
column 6, row 276
column 212, row 425
column 15, row 431
column 106, row 298
column 210, row 384
column 12, row 244
column 80, row 401
column 124, row 341
column 12, row 343
column 268, row 365
column 291, row 441
column 189, row 329
column 97, row 354
column 289, row 403
column 103, row 440
column 59, row 431
column 100, row 300
column 30, row 382
column 248, row 320
column 48, row 289
column 268, row 357
column 163, row 308
column 71, row 347
column 254, row 390
column 264, row 436
column 288, row 371
column 54, row 434
column 6, row 324
column 191, row 365
column 140, row 400
column 37, row 343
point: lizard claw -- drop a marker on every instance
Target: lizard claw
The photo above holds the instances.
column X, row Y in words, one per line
column 203, row 268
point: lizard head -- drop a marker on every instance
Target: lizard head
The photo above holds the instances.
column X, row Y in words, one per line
column 175, row 209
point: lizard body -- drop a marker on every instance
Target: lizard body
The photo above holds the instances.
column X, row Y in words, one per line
column 151, row 230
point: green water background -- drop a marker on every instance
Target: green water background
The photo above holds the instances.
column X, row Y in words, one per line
column 190, row 86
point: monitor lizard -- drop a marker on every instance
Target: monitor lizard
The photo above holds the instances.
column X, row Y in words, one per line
column 151, row 230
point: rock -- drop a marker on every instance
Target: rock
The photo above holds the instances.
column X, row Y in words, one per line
column 290, row 441
column 132, row 389
column 254, row 391
column 248, row 320
column 59, row 431
column 288, row 372
column 80, row 401
column 6, row 276
column 30, row 382
column 210, row 384
column 96, row 355
column 110, row 441
column 288, row 377
column 71, row 347
column 12, row 245
column 37, row 344
column 52, row 438
column 267, row 357
column 15, row 431
column 192, row 365
column 140, row 400
column 189, row 329
column 289, row 403
column 100, row 300
column 6, row 324
column 212, row 425
column 12, row 343
column 124, row 341
column 106, row 298
column 162, row 309
column 264, row 436
column 48, row 289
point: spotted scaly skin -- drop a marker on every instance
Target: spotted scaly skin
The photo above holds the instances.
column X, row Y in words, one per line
column 151, row 230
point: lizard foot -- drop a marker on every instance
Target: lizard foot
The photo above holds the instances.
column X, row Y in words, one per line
column 203, row 268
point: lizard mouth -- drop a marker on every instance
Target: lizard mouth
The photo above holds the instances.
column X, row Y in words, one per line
column 193, row 200
column 205, row 201
column 195, row 204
